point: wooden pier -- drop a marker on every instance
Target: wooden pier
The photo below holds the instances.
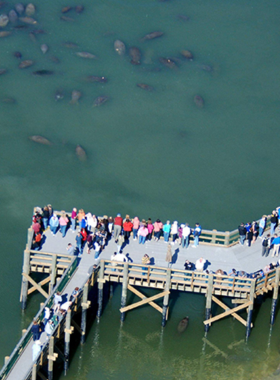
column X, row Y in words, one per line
column 50, row 270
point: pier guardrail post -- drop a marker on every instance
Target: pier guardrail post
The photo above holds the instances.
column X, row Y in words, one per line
column 100, row 288
column 124, row 289
column 67, row 335
column 53, row 273
column 227, row 236
column 209, row 301
column 250, row 309
column 275, row 296
column 34, row 372
column 166, row 298
column 84, row 313
column 24, row 283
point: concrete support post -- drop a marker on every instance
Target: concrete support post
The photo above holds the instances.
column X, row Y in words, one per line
column 100, row 289
column 250, row 309
column 50, row 358
column 84, row 313
column 24, row 283
column 275, row 296
column 124, row 289
column 67, row 335
column 209, row 300
column 166, row 298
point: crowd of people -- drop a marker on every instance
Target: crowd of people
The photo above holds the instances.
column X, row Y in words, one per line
column 94, row 232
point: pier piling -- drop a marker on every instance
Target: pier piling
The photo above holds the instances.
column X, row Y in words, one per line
column 250, row 309
column 100, row 289
column 209, row 301
column 67, row 341
column 275, row 296
column 124, row 289
column 50, row 359
column 166, row 298
column 84, row 313
column 24, row 283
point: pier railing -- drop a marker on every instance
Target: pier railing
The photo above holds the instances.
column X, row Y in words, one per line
column 188, row 281
column 225, row 239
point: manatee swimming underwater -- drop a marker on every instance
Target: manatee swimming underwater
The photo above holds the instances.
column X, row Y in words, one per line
column 183, row 324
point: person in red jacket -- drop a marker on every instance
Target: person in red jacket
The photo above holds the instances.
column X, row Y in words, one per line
column 117, row 226
column 127, row 228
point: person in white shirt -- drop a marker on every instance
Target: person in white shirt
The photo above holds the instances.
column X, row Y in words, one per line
column 186, row 236
column 199, row 265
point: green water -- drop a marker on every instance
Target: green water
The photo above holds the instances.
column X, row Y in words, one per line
column 152, row 154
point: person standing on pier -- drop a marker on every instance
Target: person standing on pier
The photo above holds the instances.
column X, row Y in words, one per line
column 242, row 233
column 262, row 225
column 166, row 231
column 54, row 223
column 63, row 221
column 136, row 224
column 120, row 242
column 196, row 234
column 127, row 228
column 273, row 220
column 174, row 231
column 35, row 329
column 186, row 236
column 142, row 233
column 79, row 240
column 73, row 219
column 150, row 229
column 118, row 222
column 158, row 226
column 266, row 243
column 45, row 217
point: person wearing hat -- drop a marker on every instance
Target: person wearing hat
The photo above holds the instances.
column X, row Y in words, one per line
column 118, row 222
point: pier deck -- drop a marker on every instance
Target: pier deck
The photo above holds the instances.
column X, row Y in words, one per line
column 239, row 257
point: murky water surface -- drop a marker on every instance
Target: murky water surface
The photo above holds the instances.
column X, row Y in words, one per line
column 151, row 153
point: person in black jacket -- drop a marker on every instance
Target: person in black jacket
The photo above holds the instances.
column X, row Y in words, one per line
column 242, row 232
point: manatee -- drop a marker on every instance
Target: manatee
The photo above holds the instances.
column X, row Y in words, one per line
column 79, row 9
column 204, row 67
column 65, row 18
column 76, row 95
column 182, row 17
column 183, row 324
column 135, row 55
column 198, row 101
column 70, row 45
column 66, row 9
column 59, row 95
column 30, row 9
column 4, row 19
column 9, row 100
column 32, row 37
column 187, row 54
column 5, row 33
column 100, row 100
column 20, row 27
column 44, row 48
column 25, row 64
column 17, row 54
column 3, row 71
column 81, row 153
column 28, row 20
column 168, row 62
column 145, row 86
column 38, row 31
column 43, row 73
column 119, row 47
column 13, row 17
column 40, row 140
column 85, row 54
column 151, row 36
column 54, row 59
column 94, row 78
column 19, row 7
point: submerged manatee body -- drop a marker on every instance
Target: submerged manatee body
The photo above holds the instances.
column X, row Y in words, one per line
column 183, row 324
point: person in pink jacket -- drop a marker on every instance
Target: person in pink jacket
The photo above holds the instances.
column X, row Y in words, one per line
column 157, row 229
column 142, row 233
column 135, row 228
